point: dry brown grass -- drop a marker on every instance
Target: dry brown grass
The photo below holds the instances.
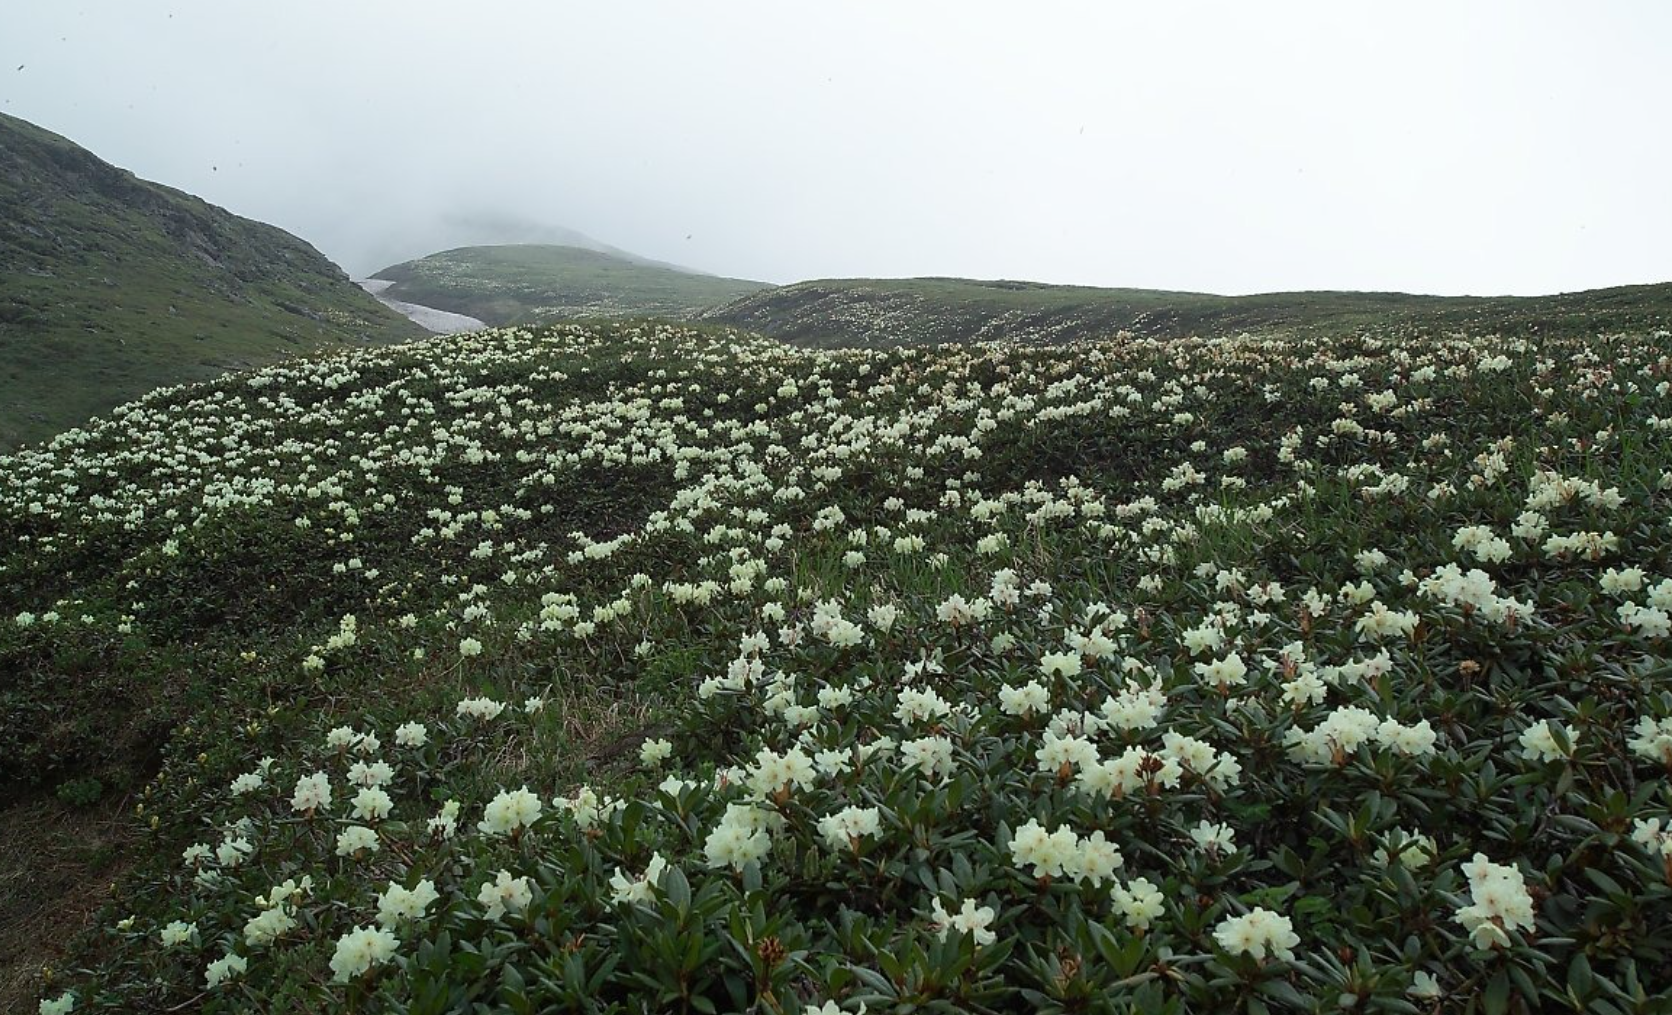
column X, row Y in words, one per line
column 598, row 727
column 57, row 864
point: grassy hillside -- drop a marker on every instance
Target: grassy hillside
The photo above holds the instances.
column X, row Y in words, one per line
column 867, row 312
column 647, row 668
column 531, row 283
column 420, row 235
column 111, row 286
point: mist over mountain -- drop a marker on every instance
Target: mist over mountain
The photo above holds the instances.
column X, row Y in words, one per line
column 111, row 286
column 519, row 283
column 416, row 238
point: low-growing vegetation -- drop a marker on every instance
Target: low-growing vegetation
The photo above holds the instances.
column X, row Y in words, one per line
column 927, row 311
column 648, row 668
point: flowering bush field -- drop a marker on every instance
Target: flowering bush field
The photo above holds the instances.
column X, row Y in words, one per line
column 646, row 668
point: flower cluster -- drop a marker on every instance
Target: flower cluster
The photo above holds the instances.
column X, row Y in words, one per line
column 1499, row 903
column 624, row 666
column 1260, row 933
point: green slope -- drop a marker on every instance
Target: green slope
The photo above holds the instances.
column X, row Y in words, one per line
column 111, row 286
column 1363, row 633
column 522, row 283
column 924, row 311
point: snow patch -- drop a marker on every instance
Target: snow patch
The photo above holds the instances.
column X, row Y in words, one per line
column 441, row 322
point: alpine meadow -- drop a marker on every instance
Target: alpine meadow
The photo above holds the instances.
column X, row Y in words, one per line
column 651, row 667
column 934, row 508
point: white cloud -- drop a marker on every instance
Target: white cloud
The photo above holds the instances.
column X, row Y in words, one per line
column 1232, row 147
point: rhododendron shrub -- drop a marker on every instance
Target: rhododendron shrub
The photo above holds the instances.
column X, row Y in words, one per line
column 649, row 667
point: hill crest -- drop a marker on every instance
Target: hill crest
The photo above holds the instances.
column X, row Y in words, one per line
column 523, row 283
column 111, row 286
column 931, row 311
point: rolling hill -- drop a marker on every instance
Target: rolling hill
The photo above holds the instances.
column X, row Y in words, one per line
column 111, row 286
column 622, row 666
column 535, row 282
column 420, row 235
column 928, row 311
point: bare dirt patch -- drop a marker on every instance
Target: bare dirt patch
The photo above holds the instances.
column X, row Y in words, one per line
column 57, row 864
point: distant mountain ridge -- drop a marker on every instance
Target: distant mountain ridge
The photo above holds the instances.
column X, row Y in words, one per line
column 528, row 283
column 111, row 286
column 456, row 230
column 522, row 283
column 929, row 311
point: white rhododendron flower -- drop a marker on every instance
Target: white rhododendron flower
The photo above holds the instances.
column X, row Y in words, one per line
column 1653, row 835
column 641, row 887
column 846, row 827
column 505, row 894
column 376, row 773
column 1050, row 854
column 1213, row 838
column 178, row 932
column 932, row 756
column 587, row 808
column 227, row 967
column 1499, row 903
column 356, row 839
column 1068, row 753
column 773, row 773
column 920, row 705
column 445, row 824
column 1139, row 902
column 359, row 950
column 735, row 843
column 510, row 811
column 233, row 851
column 1031, row 698
column 1652, row 739
column 1410, row 851
column 371, row 804
column 1424, row 986
column 1260, row 933
column 398, row 903
column 63, row 1004
column 480, row 708
column 268, row 926
column 1620, row 581
column 968, row 919
column 1060, row 664
column 1538, row 742
column 1223, row 674
column 313, row 792
column 1646, row 621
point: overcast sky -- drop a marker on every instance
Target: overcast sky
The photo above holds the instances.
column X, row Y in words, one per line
column 1454, row 147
